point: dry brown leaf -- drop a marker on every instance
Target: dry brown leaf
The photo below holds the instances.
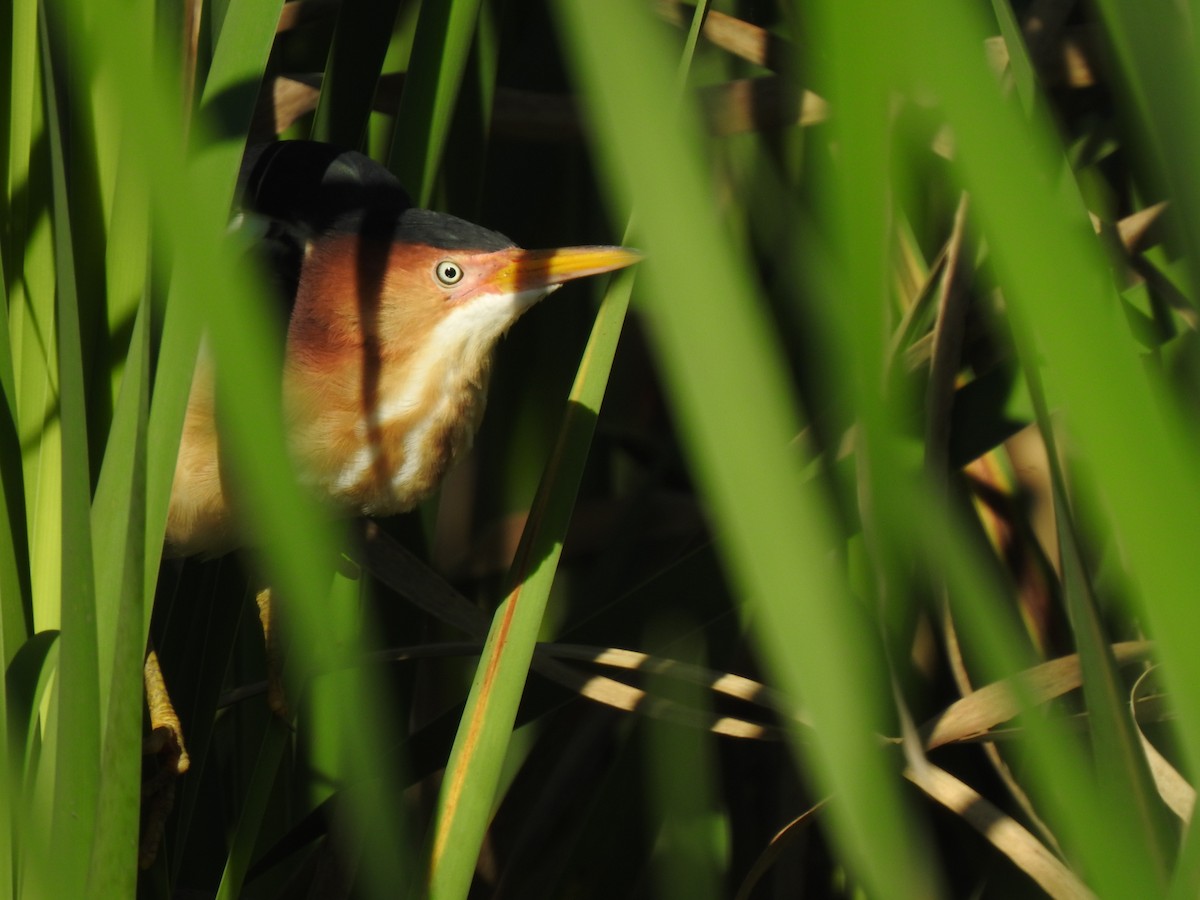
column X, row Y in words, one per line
column 1174, row 789
column 1003, row 832
column 742, row 39
column 978, row 712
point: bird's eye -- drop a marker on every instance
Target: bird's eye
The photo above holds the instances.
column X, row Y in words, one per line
column 448, row 272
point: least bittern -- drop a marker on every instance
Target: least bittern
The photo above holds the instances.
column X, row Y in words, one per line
column 394, row 314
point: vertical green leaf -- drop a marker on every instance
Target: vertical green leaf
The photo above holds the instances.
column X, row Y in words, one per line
column 474, row 768
column 119, row 524
column 360, row 43
column 775, row 532
column 77, row 702
column 682, row 777
column 12, row 593
column 31, row 317
column 439, row 57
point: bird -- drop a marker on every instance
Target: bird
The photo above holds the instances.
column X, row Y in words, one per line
column 394, row 313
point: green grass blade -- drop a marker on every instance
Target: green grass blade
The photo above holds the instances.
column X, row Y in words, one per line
column 118, row 508
column 119, row 524
column 27, row 682
column 14, row 589
column 874, row 73
column 1058, row 283
column 440, row 51
column 738, row 420
column 27, row 679
column 127, row 273
column 77, row 754
column 1154, row 45
column 1135, row 807
column 191, row 209
column 31, row 319
column 238, row 62
column 473, row 770
column 347, row 742
column 295, row 543
column 360, row 43
column 14, row 595
column 691, row 853
column 1020, row 66
column 246, row 835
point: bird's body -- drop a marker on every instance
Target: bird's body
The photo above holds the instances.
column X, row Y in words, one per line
column 394, row 314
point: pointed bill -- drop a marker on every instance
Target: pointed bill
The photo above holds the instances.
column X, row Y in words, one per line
column 539, row 269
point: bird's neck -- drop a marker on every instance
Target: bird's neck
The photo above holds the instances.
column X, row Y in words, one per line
column 381, row 399
column 375, row 433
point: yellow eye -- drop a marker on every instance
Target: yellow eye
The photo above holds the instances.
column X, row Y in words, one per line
column 448, row 272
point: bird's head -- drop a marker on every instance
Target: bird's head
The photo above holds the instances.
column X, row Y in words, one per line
column 392, row 315
column 377, row 272
column 466, row 299
column 389, row 348
column 429, row 285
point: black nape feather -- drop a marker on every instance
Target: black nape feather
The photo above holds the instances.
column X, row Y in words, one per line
column 311, row 188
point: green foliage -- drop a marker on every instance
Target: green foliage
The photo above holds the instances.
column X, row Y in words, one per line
column 844, row 546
